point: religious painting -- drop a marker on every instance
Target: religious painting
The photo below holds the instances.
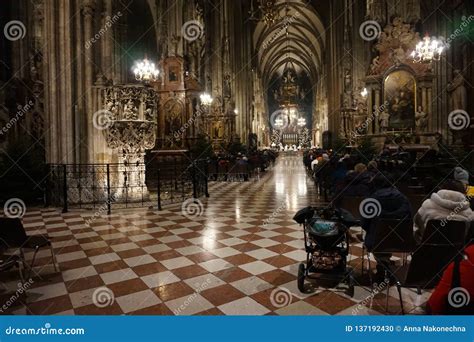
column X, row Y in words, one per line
column 173, row 74
column 217, row 130
column 400, row 94
column 174, row 112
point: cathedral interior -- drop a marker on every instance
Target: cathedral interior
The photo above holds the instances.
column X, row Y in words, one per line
column 155, row 156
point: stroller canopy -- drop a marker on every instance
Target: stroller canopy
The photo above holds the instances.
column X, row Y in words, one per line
column 319, row 227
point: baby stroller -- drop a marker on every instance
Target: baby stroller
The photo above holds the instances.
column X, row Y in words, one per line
column 326, row 240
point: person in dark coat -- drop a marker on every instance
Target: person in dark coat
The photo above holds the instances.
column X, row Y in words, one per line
column 356, row 184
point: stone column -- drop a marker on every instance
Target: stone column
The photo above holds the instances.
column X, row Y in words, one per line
column 107, row 41
column 432, row 122
column 370, row 110
column 88, row 7
column 49, row 74
column 377, row 105
column 57, row 71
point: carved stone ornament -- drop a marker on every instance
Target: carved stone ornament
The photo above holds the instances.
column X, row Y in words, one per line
column 131, row 136
column 395, row 44
column 132, row 115
column 130, row 103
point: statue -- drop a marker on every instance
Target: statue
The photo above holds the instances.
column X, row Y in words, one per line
column 421, row 120
column 375, row 64
column 130, row 110
column 208, row 83
column 230, row 108
column 458, row 91
column 174, row 43
column 384, row 119
column 347, row 80
column 276, row 96
column 397, row 56
column 216, row 106
column 227, row 86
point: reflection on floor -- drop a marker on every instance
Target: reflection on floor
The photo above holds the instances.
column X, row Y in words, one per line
column 238, row 255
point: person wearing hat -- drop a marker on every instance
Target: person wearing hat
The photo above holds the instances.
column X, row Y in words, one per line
column 462, row 176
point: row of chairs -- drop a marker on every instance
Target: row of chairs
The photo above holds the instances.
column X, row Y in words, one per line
column 440, row 245
column 13, row 238
column 352, row 203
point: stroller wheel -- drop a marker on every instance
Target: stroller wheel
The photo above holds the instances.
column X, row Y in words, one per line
column 301, row 276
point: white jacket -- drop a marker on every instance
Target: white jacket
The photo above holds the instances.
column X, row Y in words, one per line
column 444, row 205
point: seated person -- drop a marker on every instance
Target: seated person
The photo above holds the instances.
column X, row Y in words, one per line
column 394, row 205
column 448, row 204
column 462, row 176
column 355, row 184
column 438, row 304
column 314, row 162
column 372, row 168
column 360, row 168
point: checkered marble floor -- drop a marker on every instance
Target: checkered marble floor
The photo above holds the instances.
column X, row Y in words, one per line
column 238, row 254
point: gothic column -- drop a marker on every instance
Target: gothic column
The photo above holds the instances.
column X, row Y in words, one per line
column 88, row 7
column 57, row 72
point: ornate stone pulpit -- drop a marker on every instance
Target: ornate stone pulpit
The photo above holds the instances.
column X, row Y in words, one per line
column 131, row 130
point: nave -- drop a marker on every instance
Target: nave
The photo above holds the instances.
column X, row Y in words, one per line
column 238, row 254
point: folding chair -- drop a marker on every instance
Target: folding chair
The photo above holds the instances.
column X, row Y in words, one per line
column 14, row 235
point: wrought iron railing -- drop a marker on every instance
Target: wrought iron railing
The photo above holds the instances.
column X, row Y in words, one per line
column 107, row 186
column 223, row 170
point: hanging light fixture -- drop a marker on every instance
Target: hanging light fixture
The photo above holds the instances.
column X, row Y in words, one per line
column 278, row 122
column 301, row 122
column 267, row 11
column 364, row 92
column 206, row 99
column 145, row 71
column 428, row 50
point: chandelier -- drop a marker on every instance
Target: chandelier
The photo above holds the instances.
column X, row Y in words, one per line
column 301, row 122
column 145, row 71
column 268, row 10
column 279, row 122
column 206, row 99
column 428, row 50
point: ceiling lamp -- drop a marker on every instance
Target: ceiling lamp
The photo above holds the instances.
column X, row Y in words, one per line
column 428, row 50
column 206, row 99
column 301, row 122
column 278, row 122
column 364, row 92
column 269, row 12
column 145, row 71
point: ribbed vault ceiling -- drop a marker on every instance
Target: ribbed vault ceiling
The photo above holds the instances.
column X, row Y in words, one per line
column 297, row 38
